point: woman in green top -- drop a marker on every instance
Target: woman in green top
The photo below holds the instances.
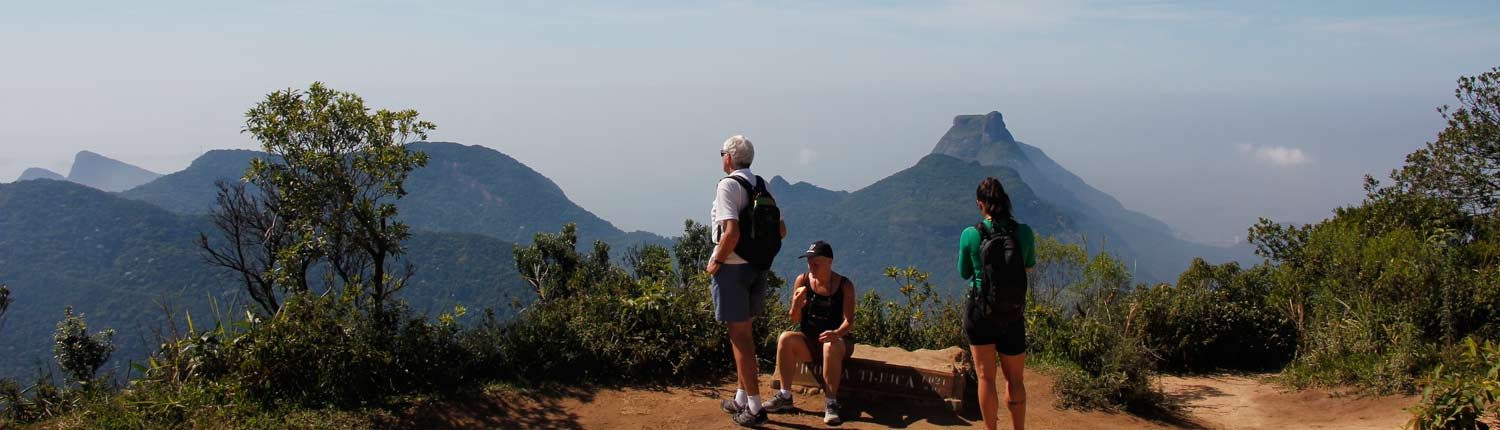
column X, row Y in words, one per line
column 992, row 313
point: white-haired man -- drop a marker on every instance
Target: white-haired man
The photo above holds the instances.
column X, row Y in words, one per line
column 739, row 287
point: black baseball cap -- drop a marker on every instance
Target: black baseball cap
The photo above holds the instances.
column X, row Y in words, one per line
column 818, row 249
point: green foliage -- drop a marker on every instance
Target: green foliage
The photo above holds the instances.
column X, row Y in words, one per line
column 1463, row 165
column 1464, row 395
column 43, row 400
column 1380, row 291
column 1379, row 288
column 326, row 350
column 79, row 353
column 923, row 319
column 334, row 173
column 1216, row 317
column 596, row 322
column 1091, row 331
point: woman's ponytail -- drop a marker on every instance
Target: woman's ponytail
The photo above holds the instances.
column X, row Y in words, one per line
column 992, row 195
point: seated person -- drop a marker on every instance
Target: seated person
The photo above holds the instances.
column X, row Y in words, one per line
column 823, row 307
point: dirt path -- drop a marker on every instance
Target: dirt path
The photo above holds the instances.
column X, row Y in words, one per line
column 1250, row 403
column 1209, row 403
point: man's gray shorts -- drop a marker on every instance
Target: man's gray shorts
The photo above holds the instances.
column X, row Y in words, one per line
column 739, row 292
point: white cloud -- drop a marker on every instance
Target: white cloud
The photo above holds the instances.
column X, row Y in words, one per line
column 806, row 156
column 1277, row 156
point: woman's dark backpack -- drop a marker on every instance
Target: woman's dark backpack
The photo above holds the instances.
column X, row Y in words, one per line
column 1002, row 294
column 760, row 225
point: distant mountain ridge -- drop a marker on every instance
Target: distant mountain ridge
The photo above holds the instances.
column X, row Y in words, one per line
column 114, row 259
column 112, row 254
column 95, row 170
column 463, row 189
column 1149, row 243
column 911, row 218
column 40, row 173
column 106, row 173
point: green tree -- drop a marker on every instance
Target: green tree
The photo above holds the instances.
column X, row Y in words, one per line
column 1463, row 164
column 334, row 173
column 549, row 261
column 693, row 250
column 651, row 263
column 78, row 353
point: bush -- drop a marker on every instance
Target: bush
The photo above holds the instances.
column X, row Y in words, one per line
column 1090, row 329
column 1215, row 318
column 597, row 322
column 922, row 320
column 79, row 353
column 327, row 350
column 1461, row 396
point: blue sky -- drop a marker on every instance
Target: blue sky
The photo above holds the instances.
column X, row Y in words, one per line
column 1204, row 114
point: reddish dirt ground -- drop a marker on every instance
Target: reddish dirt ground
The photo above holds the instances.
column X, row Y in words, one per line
column 1220, row 402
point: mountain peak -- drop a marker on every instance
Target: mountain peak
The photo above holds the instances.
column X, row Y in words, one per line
column 108, row 174
column 990, row 125
column 981, row 138
column 40, row 173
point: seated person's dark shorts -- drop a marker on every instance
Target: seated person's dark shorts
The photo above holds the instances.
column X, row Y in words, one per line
column 815, row 347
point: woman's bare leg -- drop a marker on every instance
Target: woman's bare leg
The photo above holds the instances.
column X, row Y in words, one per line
column 984, row 366
column 1014, row 367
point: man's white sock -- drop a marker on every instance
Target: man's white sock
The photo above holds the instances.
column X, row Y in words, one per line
column 754, row 404
column 739, row 397
column 784, row 393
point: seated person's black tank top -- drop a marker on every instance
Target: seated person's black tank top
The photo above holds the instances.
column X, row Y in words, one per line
column 823, row 313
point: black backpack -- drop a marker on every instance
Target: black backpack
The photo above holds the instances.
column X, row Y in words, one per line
column 1002, row 294
column 760, row 225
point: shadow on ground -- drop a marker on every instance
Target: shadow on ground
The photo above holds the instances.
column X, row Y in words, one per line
column 526, row 409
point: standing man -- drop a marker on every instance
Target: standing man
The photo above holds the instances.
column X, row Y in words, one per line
column 747, row 232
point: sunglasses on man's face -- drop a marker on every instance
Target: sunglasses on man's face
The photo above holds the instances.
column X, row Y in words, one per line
column 722, row 153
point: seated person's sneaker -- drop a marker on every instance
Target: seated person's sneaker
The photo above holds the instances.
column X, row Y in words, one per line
column 778, row 404
column 831, row 413
column 746, row 419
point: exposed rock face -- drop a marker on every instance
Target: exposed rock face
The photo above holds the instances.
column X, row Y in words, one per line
column 981, row 138
column 107, row 173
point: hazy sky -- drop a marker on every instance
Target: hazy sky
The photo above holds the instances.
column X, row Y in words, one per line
column 1203, row 114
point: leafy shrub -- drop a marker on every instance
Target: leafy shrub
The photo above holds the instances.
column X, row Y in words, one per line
column 79, row 353
column 1090, row 331
column 327, row 350
column 1215, row 317
column 924, row 319
column 597, row 322
column 1462, row 396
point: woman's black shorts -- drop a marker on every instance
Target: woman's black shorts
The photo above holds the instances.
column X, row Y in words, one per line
column 1009, row 338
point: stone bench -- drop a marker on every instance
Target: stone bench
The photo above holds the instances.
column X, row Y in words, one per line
column 933, row 377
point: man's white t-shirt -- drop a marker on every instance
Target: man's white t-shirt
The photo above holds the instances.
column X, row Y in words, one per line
column 728, row 200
